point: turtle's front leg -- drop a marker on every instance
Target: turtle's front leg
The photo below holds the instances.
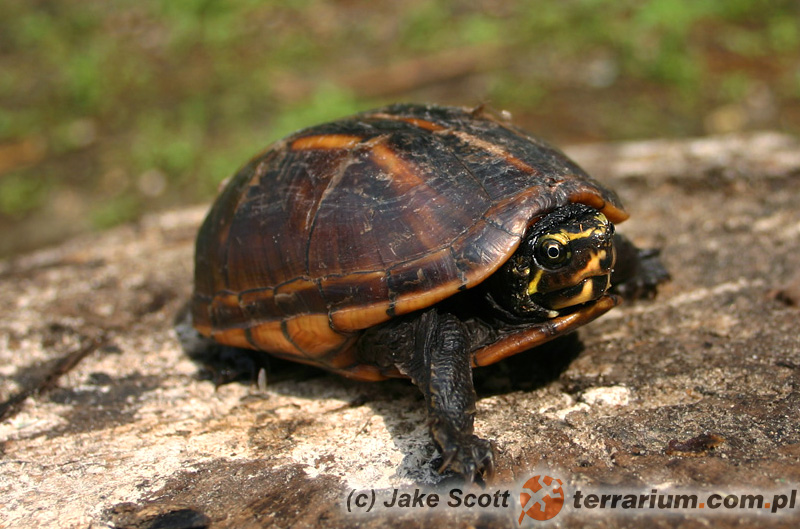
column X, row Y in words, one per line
column 439, row 366
column 637, row 271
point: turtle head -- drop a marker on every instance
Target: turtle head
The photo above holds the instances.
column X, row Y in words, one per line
column 565, row 260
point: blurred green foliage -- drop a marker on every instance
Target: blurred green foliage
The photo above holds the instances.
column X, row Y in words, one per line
column 96, row 94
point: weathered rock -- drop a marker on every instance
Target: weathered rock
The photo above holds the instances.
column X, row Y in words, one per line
column 106, row 422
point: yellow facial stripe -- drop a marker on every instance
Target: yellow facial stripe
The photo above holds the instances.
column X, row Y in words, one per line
column 592, row 267
column 534, row 284
column 586, row 294
column 601, row 220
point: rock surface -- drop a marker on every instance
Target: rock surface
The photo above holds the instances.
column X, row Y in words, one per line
column 106, row 422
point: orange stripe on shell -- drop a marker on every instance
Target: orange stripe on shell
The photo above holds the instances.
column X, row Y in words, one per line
column 312, row 334
column 233, row 337
column 417, row 122
column 613, row 213
column 356, row 318
column 325, row 142
column 495, row 150
column 268, row 336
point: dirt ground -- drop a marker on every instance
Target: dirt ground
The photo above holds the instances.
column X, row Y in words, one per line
column 107, row 422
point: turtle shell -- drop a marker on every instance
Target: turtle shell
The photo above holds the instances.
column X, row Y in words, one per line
column 343, row 226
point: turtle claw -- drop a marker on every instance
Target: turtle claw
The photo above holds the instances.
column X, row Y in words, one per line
column 464, row 454
column 446, row 462
column 472, row 457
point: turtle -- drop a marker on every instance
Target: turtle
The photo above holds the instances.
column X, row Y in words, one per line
column 416, row 241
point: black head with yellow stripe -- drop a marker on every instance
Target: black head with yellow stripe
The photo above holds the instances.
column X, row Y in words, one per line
column 564, row 261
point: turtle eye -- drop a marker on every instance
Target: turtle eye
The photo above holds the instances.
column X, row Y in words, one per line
column 552, row 253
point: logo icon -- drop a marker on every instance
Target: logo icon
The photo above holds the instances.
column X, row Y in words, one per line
column 541, row 498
